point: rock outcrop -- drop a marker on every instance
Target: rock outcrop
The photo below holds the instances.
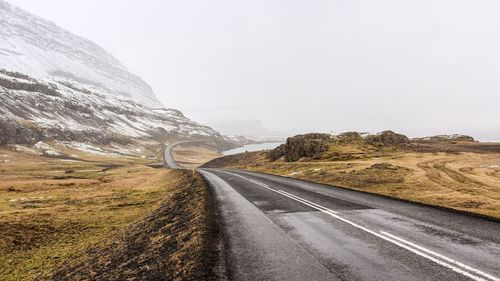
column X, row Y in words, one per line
column 348, row 138
column 13, row 132
column 387, row 138
column 445, row 138
column 310, row 145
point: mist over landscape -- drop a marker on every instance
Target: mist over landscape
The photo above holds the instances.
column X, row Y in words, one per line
column 249, row 140
column 418, row 67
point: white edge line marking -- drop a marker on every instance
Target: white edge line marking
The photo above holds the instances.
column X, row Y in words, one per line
column 441, row 256
column 456, row 269
column 386, row 236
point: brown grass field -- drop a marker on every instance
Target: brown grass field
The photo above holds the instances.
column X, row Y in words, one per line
column 466, row 181
column 193, row 156
column 66, row 219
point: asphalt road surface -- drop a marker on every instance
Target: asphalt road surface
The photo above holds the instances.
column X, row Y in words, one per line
column 276, row 228
column 167, row 156
column 167, row 153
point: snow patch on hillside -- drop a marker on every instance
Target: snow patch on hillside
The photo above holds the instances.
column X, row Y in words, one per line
column 41, row 49
column 58, row 104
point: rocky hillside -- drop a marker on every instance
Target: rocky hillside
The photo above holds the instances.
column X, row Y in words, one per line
column 41, row 49
column 444, row 138
column 314, row 145
column 33, row 110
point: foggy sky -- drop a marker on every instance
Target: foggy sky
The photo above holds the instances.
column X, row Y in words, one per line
column 418, row 67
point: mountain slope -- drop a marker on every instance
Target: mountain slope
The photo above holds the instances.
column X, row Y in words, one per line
column 34, row 110
column 41, row 49
column 57, row 89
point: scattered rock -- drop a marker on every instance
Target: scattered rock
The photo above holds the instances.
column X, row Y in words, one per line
column 469, row 204
column 384, row 166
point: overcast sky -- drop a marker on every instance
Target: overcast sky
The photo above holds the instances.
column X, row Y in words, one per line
column 418, row 67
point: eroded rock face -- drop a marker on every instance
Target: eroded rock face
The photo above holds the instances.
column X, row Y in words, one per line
column 387, row 138
column 12, row 132
column 32, row 86
column 310, row 145
column 278, row 152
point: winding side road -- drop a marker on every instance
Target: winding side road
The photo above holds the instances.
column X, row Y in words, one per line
column 276, row 228
column 167, row 156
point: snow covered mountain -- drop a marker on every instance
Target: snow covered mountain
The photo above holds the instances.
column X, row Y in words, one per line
column 34, row 110
column 41, row 49
column 61, row 89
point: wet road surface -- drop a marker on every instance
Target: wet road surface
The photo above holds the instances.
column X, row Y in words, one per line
column 277, row 228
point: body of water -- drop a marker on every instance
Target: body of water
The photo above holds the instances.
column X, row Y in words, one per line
column 253, row 147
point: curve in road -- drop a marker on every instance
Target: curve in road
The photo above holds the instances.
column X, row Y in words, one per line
column 277, row 228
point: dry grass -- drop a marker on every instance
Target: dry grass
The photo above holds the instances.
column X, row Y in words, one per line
column 464, row 181
column 175, row 242
column 53, row 211
column 193, row 156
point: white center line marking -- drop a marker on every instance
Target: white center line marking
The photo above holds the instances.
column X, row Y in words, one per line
column 412, row 247
column 291, row 196
column 302, row 200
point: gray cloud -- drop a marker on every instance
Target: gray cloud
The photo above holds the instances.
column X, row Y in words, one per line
column 419, row 67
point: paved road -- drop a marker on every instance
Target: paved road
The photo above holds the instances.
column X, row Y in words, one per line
column 167, row 156
column 277, row 228
column 167, row 153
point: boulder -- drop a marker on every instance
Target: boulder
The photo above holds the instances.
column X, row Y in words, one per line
column 310, row 145
column 278, row 152
column 387, row 138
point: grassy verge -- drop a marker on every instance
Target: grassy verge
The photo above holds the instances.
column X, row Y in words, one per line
column 67, row 220
column 464, row 181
